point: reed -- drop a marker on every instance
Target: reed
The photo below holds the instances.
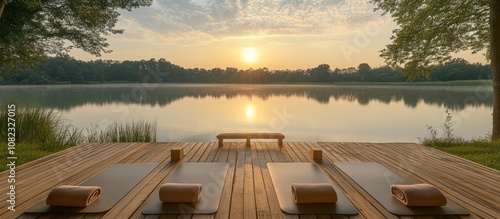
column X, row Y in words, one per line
column 40, row 132
column 45, row 127
column 136, row 131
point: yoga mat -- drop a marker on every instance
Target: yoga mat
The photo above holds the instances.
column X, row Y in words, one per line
column 210, row 175
column 284, row 174
column 377, row 180
column 115, row 181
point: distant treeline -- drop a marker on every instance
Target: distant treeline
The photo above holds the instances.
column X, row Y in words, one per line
column 67, row 70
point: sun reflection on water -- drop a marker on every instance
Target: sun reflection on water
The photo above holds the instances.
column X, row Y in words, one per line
column 250, row 111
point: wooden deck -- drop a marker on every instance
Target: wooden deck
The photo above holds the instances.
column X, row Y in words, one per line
column 248, row 190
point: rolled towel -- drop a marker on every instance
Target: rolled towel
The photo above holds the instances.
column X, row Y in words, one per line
column 418, row 195
column 313, row 193
column 73, row 196
column 180, row 192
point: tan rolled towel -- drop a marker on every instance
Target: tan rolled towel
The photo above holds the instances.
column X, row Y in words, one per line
column 180, row 192
column 418, row 195
column 73, row 196
column 313, row 193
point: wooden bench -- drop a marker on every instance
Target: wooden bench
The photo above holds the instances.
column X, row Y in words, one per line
column 249, row 136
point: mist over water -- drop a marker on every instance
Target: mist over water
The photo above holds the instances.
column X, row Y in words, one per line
column 192, row 112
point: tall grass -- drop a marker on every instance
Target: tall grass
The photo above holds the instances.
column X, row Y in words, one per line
column 40, row 132
column 44, row 127
column 139, row 131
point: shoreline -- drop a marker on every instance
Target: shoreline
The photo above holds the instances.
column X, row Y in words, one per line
column 407, row 83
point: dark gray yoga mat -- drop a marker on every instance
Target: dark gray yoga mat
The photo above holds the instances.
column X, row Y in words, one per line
column 284, row 174
column 377, row 180
column 115, row 182
column 212, row 177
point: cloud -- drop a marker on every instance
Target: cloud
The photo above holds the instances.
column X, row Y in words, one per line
column 178, row 21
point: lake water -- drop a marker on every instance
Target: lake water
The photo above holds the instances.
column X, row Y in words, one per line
column 192, row 112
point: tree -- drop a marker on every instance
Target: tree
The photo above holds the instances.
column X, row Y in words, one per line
column 32, row 29
column 320, row 73
column 431, row 30
column 363, row 71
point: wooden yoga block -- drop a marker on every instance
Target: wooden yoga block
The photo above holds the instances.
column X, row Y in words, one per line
column 177, row 153
column 316, row 154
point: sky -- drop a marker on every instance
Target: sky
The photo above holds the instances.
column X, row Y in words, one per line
column 277, row 34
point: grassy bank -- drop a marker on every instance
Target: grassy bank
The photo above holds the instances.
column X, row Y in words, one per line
column 40, row 132
column 482, row 151
column 25, row 152
column 487, row 83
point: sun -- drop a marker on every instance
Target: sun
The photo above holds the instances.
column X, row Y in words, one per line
column 250, row 54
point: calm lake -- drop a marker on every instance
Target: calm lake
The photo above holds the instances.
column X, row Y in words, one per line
column 192, row 112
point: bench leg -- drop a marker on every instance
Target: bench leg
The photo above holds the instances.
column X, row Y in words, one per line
column 248, row 142
column 280, row 142
column 220, row 142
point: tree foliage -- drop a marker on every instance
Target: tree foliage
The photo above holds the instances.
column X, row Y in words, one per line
column 459, row 69
column 430, row 31
column 32, row 29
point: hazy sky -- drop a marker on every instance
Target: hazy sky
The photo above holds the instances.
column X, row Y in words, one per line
column 278, row 34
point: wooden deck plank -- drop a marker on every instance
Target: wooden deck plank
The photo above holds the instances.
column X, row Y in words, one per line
column 248, row 190
column 237, row 195
column 229, row 156
column 200, row 149
column 249, row 211
column 262, row 206
column 294, row 157
column 211, row 147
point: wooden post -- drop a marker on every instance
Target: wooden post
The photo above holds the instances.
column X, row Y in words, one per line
column 280, row 142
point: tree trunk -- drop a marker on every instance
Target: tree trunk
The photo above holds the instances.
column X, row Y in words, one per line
column 495, row 65
column 4, row 2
